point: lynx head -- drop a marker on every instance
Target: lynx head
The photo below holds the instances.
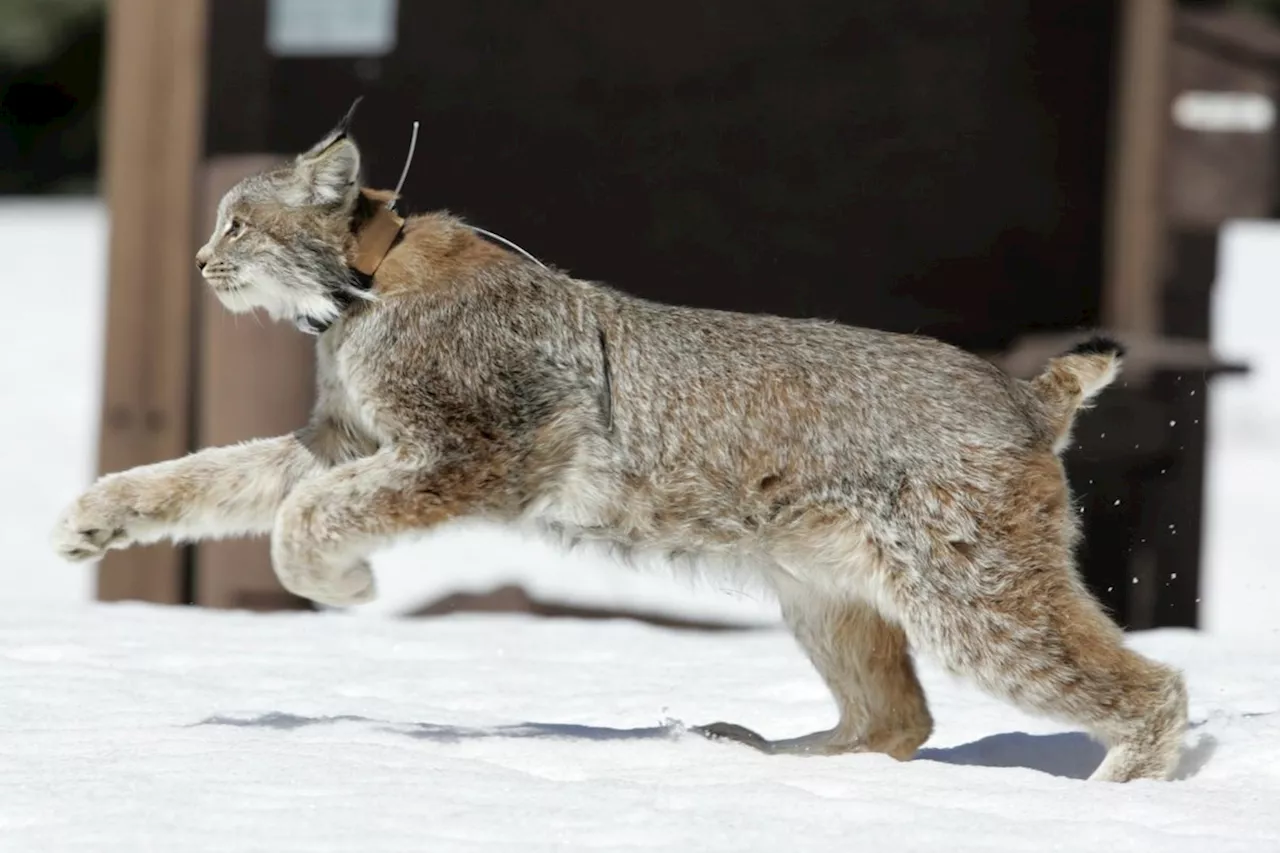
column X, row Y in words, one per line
column 283, row 237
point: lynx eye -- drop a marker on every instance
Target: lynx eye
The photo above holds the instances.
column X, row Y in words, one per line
column 235, row 227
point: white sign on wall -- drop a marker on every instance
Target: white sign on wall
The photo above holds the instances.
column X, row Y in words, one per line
column 331, row 27
column 1224, row 112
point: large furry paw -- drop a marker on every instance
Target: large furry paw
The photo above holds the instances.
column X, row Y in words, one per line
column 312, row 554
column 326, row 585
column 100, row 519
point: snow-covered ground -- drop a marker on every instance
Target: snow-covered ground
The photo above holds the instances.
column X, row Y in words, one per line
column 479, row 557
column 129, row 728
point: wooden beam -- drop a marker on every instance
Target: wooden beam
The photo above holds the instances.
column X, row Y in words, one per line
column 1135, row 215
column 256, row 379
column 154, row 96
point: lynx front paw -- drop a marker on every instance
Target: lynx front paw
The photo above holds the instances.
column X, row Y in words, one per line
column 332, row 586
column 96, row 522
column 315, row 573
column 313, row 554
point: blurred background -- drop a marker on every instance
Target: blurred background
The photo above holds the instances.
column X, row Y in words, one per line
column 1000, row 175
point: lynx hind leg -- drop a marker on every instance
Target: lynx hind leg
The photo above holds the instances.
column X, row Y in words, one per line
column 1055, row 653
column 1010, row 613
column 867, row 665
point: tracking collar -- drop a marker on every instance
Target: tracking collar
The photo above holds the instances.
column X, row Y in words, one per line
column 377, row 229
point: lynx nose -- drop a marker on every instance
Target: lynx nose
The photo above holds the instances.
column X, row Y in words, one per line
column 202, row 260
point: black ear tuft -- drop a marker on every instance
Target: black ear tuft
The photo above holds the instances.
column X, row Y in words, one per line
column 344, row 126
column 1099, row 345
column 329, row 173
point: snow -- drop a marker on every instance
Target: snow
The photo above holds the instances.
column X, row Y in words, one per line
column 53, row 265
column 476, row 557
column 130, row 727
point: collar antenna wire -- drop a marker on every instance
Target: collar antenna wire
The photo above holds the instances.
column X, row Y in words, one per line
column 502, row 239
column 404, row 173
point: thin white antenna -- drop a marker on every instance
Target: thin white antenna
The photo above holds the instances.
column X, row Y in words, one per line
column 408, row 160
column 509, row 243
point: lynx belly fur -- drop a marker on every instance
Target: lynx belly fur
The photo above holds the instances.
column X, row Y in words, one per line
column 897, row 494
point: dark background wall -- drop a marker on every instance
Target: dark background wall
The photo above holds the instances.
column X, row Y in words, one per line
column 908, row 164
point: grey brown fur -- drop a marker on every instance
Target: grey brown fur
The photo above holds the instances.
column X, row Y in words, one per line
column 896, row 493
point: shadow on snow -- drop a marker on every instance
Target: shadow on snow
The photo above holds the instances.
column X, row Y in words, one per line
column 1072, row 755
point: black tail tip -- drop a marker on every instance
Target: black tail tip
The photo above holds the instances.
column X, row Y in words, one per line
column 1099, row 345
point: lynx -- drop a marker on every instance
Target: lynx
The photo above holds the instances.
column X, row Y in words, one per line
column 897, row 494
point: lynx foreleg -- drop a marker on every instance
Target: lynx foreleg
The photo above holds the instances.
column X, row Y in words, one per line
column 217, row 492
column 330, row 524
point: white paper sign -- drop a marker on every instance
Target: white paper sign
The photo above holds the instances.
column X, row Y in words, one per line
column 331, row 27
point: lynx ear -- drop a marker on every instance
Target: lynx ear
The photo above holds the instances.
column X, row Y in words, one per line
column 330, row 172
column 333, row 175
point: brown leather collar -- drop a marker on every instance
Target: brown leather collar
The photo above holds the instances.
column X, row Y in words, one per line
column 377, row 229
column 376, row 234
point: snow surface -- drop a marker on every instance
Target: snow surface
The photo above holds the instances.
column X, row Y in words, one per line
column 475, row 557
column 130, row 728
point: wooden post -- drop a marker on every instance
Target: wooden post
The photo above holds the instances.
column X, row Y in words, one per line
column 1135, row 226
column 255, row 379
column 155, row 90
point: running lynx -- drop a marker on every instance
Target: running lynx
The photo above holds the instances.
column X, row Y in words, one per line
column 896, row 493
